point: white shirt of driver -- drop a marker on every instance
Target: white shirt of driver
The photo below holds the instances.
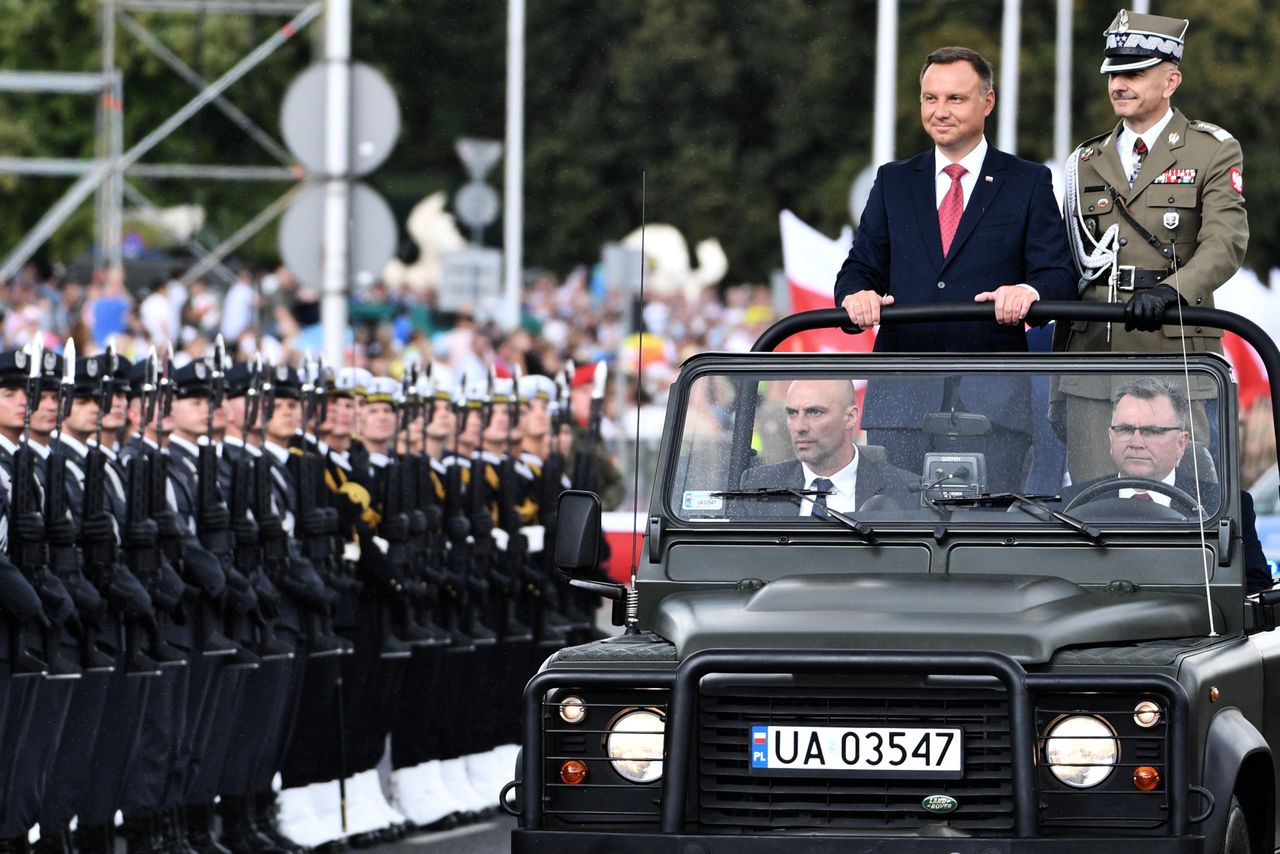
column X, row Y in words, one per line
column 843, row 484
column 1157, row 497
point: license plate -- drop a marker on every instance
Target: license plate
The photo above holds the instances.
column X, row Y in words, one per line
column 874, row 751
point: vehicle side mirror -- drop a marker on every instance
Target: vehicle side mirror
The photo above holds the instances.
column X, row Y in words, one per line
column 578, row 533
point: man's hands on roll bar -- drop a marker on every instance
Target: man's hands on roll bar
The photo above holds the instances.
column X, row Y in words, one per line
column 1011, row 304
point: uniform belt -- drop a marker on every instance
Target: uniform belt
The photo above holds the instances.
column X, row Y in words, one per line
column 1136, row 278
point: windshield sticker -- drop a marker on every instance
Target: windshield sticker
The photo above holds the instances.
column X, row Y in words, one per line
column 702, row 499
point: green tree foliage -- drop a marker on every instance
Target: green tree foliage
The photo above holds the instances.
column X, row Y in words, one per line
column 733, row 110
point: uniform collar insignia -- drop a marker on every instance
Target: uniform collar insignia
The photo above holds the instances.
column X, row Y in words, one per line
column 1174, row 136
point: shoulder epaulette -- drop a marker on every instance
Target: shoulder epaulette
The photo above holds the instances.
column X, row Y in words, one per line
column 1207, row 127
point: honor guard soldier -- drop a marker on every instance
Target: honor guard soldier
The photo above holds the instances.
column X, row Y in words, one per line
column 92, row 738
column 433, row 793
column 1156, row 217
column 31, row 737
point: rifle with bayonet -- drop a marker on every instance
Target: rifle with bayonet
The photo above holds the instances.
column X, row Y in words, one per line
column 461, row 620
column 98, row 542
column 555, row 588
column 512, row 583
column 313, row 526
column 27, row 547
column 141, row 534
column 426, row 524
column 60, row 528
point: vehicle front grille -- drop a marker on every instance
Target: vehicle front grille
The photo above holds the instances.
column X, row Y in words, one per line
column 731, row 799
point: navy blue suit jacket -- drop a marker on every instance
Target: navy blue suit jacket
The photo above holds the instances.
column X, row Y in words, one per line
column 1011, row 232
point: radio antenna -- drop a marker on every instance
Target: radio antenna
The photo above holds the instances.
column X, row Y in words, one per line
column 633, row 597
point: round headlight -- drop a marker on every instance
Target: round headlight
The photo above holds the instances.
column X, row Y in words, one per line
column 1146, row 714
column 634, row 745
column 1081, row 750
column 572, row 710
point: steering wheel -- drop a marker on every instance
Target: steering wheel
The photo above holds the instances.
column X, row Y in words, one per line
column 1090, row 492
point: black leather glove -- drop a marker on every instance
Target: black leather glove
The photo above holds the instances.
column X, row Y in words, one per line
column 245, row 530
column 142, row 533
column 1145, row 311
column 270, row 528
column 29, row 527
column 97, row 529
column 481, row 525
column 459, row 527
column 167, row 524
column 216, row 518
column 395, row 528
column 60, row 532
column 312, row 523
column 433, row 517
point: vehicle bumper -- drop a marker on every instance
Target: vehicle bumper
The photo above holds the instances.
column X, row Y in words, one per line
column 594, row 842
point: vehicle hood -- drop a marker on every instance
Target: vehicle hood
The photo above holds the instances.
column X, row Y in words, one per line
column 1029, row 618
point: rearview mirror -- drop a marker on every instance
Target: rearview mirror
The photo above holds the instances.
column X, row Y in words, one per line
column 578, row 533
column 956, row 424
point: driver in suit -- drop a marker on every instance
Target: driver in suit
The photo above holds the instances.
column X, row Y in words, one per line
column 822, row 419
column 1149, row 440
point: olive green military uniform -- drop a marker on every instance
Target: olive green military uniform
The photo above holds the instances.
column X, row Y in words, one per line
column 1189, row 194
column 1182, row 223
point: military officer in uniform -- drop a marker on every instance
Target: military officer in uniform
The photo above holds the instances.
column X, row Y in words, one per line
column 1156, row 218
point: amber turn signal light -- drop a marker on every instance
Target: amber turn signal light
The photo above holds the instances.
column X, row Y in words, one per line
column 574, row 771
column 1145, row 778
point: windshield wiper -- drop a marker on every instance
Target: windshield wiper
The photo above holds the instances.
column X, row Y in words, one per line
column 1033, row 503
column 862, row 529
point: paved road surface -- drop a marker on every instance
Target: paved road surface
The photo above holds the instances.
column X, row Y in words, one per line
column 490, row 837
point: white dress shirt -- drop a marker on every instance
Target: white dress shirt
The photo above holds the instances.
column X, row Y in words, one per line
column 1124, row 142
column 843, row 484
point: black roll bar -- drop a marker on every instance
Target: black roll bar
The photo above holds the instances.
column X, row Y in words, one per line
column 1040, row 312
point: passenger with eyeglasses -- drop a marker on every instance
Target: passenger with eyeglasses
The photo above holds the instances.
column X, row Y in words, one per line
column 1149, row 439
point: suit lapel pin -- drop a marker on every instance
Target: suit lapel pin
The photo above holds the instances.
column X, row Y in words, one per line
column 988, row 179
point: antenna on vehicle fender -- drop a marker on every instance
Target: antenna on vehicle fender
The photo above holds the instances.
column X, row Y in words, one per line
column 1195, row 457
column 633, row 597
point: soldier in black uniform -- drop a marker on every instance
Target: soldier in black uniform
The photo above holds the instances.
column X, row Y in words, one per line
column 90, row 735
column 262, row 721
column 28, row 740
column 137, row 672
column 306, row 598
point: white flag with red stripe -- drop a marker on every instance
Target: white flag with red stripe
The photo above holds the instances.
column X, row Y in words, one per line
column 811, row 261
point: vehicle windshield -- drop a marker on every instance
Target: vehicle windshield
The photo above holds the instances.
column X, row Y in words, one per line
column 879, row 448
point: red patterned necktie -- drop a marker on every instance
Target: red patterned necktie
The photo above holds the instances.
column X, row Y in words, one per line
column 1142, row 496
column 1139, row 155
column 952, row 207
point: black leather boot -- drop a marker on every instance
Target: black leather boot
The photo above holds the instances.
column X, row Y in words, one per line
column 199, row 821
column 95, row 839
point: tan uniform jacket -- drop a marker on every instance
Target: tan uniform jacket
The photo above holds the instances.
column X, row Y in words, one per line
column 1189, row 192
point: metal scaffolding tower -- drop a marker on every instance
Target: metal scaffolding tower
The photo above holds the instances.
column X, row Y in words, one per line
column 107, row 175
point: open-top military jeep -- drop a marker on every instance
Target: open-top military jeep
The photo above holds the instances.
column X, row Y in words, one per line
column 940, row 662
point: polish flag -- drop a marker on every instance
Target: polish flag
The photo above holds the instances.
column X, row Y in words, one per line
column 758, row 736
column 811, row 261
column 1246, row 295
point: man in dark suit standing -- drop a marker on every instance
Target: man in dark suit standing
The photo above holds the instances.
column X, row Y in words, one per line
column 961, row 222
column 822, row 418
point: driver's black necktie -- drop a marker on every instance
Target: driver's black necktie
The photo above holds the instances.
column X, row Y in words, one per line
column 821, row 485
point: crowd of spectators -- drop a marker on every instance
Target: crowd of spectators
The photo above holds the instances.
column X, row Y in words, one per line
column 575, row 317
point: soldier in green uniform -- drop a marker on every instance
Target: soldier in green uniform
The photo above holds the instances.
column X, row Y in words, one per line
column 1156, row 218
